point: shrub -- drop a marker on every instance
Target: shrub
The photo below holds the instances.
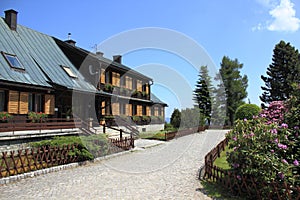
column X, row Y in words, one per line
column 88, row 147
column 247, row 111
column 274, row 113
column 37, row 117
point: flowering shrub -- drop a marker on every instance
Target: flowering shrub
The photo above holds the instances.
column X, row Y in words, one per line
column 274, row 113
column 266, row 147
column 4, row 116
column 37, row 117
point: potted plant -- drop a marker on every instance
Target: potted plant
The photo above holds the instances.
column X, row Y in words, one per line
column 4, row 117
column 108, row 87
column 136, row 119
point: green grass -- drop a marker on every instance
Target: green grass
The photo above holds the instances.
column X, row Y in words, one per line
column 160, row 135
column 221, row 162
column 216, row 191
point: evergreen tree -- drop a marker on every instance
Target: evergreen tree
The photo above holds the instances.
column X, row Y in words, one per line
column 218, row 116
column 235, row 86
column 281, row 74
column 202, row 96
column 176, row 118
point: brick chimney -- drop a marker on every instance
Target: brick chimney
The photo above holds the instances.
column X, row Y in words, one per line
column 117, row 58
column 11, row 19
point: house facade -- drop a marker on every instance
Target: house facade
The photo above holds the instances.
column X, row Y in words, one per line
column 40, row 73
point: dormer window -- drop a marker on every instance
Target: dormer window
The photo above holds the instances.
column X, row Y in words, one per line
column 69, row 71
column 13, row 61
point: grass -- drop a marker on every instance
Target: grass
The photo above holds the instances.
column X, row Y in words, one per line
column 160, row 135
column 221, row 162
column 216, row 191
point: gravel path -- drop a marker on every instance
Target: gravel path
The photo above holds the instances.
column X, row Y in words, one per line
column 166, row 171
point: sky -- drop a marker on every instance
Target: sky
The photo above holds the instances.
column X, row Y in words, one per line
column 193, row 33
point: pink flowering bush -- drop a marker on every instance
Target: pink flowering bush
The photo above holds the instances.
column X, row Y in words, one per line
column 266, row 147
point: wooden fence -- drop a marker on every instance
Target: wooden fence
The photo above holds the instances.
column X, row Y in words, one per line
column 26, row 160
column 181, row 133
column 246, row 185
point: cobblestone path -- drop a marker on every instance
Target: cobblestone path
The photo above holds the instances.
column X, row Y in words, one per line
column 167, row 171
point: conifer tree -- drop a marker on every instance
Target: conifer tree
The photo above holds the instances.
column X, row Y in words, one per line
column 281, row 74
column 202, row 95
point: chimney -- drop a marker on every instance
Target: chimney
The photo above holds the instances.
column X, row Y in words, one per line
column 71, row 42
column 99, row 54
column 117, row 58
column 11, row 19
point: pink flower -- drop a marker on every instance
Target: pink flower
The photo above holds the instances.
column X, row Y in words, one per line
column 272, row 151
column 251, row 134
column 284, row 161
column 276, row 140
column 296, row 163
column 273, row 131
column 238, row 177
column 281, row 175
column 282, row 146
column 284, row 125
column 234, row 138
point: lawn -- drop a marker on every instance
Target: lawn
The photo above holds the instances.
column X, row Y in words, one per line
column 157, row 135
column 221, row 162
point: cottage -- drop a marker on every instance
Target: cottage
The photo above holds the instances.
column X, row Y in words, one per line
column 40, row 73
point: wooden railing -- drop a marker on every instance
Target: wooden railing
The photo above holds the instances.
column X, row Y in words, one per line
column 46, row 124
column 246, row 185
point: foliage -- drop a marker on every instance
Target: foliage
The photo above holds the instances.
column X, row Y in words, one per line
column 136, row 119
column 264, row 151
column 221, row 161
column 169, row 127
column 281, row 74
column 88, row 146
column 202, row 96
column 247, row 111
column 235, row 86
column 37, row 117
column 176, row 118
column 146, row 118
column 191, row 117
column 108, row 87
column 4, row 116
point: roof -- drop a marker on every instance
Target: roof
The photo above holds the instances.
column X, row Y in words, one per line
column 109, row 62
column 41, row 57
column 11, row 42
column 156, row 100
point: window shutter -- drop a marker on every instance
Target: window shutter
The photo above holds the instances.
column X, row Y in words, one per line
column 103, row 108
column 148, row 113
column 23, row 103
column 139, row 110
column 147, row 88
column 115, row 109
column 102, row 77
column 128, row 110
column 49, row 104
column 13, row 102
column 139, row 85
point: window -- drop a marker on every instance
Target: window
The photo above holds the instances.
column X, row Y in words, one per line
column 2, row 100
column 35, row 102
column 69, row 71
column 13, row 61
column 122, row 109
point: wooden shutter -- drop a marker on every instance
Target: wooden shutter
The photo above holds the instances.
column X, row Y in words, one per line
column 116, row 109
column 102, row 77
column 139, row 85
column 128, row 111
column 103, row 108
column 147, row 88
column 49, row 104
column 13, row 102
column 148, row 113
column 115, row 79
column 23, row 106
column 128, row 82
column 139, row 111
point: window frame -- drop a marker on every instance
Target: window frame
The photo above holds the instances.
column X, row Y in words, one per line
column 21, row 67
column 69, row 71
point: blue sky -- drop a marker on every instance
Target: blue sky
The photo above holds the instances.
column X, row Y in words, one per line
column 247, row 30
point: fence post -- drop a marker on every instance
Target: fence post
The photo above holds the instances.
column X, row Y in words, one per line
column 121, row 134
column 103, row 128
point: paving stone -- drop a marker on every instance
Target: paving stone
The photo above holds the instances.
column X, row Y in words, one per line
column 166, row 171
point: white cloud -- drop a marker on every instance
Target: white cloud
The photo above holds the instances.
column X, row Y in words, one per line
column 267, row 3
column 284, row 17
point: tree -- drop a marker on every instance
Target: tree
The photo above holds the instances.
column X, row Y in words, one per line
column 202, row 95
column 235, row 86
column 281, row 74
column 191, row 117
column 176, row 118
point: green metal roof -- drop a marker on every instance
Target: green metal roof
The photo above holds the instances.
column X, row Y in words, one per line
column 156, row 100
column 41, row 58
